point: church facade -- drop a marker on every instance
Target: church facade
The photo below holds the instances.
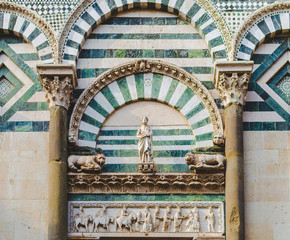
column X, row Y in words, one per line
column 144, row 119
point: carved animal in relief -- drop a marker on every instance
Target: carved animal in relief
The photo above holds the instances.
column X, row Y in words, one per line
column 91, row 163
column 82, row 220
column 205, row 161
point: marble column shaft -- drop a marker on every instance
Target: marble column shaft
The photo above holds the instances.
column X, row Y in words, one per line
column 231, row 80
column 58, row 82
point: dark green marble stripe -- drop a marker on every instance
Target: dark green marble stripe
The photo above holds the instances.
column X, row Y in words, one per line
column 266, row 126
column 146, row 197
column 194, row 111
column 180, row 36
column 98, row 108
column 123, row 85
column 110, row 97
column 88, row 119
column 148, row 53
column 29, row 56
column 134, row 153
column 87, row 136
column 171, row 90
column 139, row 81
column 154, row 143
column 186, row 96
column 159, row 132
column 156, row 84
column 204, row 137
column 201, row 123
column 145, row 21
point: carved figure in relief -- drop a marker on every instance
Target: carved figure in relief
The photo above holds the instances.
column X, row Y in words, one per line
column 210, row 220
column 102, row 219
column 166, row 219
column 177, row 219
column 156, row 218
column 91, row 163
column 144, row 134
column 125, row 219
column 192, row 224
column 147, row 226
column 204, row 161
column 82, row 220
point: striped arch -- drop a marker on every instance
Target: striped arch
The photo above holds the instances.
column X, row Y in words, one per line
column 20, row 21
column 202, row 14
column 272, row 20
column 145, row 80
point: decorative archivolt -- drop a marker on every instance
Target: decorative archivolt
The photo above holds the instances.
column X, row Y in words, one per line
column 145, row 66
column 260, row 24
column 44, row 35
column 186, row 9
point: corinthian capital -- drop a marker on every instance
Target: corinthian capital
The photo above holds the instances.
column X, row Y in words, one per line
column 231, row 80
column 58, row 82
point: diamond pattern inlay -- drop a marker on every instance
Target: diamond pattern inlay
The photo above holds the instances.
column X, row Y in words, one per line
column 5, row 87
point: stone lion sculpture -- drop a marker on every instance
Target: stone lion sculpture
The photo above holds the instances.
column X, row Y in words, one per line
column 205, row 161
column 90, row 163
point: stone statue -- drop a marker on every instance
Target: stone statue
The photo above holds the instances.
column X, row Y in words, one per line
column 91, row 163
column 177, row 219
column 166, row 219
column 82, row 220
column 210, row 220
column 144, row 134
column 156, row 218
column 125, row 219
column 147, row 226
column 102, row 219
column 192, row 224
column 205, row 161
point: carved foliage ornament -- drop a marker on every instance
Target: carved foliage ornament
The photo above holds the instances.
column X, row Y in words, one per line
column 233, row 87
column 58, row 91
column 255, row 18
column 144, row 66
column 140, row 183
column 83, row 5
column 155, row 218
column 23, row 11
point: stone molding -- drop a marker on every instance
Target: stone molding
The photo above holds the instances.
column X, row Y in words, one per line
column 23, row 11
column 146, row 183
column 58, row 82
column 231, row 80
column 146, row 218
column 144, row 66
column 251, row 20
column 83, row 5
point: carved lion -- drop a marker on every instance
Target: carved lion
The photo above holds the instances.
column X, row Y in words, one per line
column 91, row 163
column 204, row 161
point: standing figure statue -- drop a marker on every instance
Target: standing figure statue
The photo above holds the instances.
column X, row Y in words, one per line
column 178, row 218
column 192, row 224
column 147, row 226
column 144, row 134
column 210, row 220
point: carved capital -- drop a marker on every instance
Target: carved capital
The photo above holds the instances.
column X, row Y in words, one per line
column 58, row 82
column 231, row 80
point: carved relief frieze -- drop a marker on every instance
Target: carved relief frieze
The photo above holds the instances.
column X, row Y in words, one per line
column 146, row 183
column 154, row 218
column 144, row 66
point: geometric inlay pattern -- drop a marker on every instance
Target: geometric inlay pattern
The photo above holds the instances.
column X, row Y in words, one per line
column 5, row 87
column 284, row 86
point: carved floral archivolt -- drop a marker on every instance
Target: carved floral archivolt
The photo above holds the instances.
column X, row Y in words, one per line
column 144, row 66
column 154, row 218
column 146, row 183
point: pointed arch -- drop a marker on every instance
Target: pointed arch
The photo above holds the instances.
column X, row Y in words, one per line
column 21, row 21
column 90, row 13
column 188, row 96
column 268, row 21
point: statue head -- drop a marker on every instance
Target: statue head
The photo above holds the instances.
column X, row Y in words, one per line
column 100, row 159
column 145, row 120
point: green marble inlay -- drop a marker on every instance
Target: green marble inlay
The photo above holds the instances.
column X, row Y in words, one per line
column 98, row 108
column 171, row 90
column 109, row 95
column 123, row 85
column 186, row 96
column 92, row 121
column 194, row 111
column 139, row 81
column 88, row 136
column 156, row 84
column 154, row 143
column 146, row 197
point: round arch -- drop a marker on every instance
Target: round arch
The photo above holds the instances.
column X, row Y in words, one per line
column 27, row 24
column 175, row 87
column 268, row 21
column 90, row 13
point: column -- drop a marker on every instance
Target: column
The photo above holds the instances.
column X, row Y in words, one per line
column 231, row 80
column 58, row 82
